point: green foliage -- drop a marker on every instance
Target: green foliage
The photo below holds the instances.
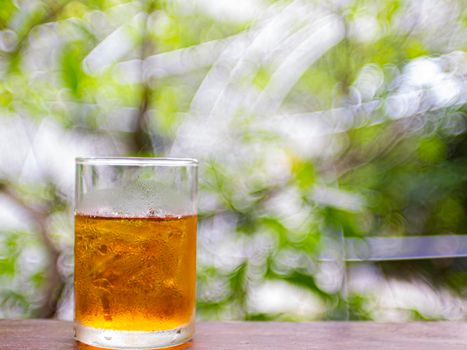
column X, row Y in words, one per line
column 305, row 174
column 432, row 150
column 7, row 10
column 72, row 73
column 261, row 78
column 12, row 299
column 8, row 260
column 384, row 168
column 358, row 309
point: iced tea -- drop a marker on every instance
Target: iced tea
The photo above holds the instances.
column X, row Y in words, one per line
column 135, row 273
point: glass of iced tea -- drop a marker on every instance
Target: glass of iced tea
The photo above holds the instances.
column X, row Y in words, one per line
column 135, row 251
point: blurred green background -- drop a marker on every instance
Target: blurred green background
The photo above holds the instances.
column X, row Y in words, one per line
column 331, row 137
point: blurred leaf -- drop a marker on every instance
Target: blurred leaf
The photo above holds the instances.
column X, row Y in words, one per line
column 9, row 253
column 38, row 279
column 261, row 78
column 12, row 299
column 416, row 315
column 337, row 220
column 415, row 48
column 278, row 228
column 72, row 73
column 8, row 266
column 300, row 279
column 389, row 9
column 358, row 308
column 237, row 280
column 167, row 108
column 7, row 9
column 210, row 309
column 304, row 174
column 432, row 150
column 74, row 9
column 6, row 98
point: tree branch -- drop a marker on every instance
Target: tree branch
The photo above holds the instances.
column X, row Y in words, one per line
column 54, row 283
column 141, row 138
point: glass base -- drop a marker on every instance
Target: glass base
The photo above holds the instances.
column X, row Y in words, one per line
column 117, row 339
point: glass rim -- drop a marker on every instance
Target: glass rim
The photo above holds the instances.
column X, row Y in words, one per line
column 137, row 161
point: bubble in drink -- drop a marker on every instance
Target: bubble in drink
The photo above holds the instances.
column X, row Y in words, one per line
column 135, row 273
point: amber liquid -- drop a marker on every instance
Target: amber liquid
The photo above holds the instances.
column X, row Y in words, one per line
column 135, row 273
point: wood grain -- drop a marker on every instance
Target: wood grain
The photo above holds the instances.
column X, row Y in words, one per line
column 58, row 335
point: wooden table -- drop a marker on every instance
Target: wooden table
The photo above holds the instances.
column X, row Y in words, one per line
column 58, row 335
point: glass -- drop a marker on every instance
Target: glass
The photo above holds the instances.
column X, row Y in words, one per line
column 135, row 251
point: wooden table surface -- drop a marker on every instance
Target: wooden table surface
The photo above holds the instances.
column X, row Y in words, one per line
column 58, row 335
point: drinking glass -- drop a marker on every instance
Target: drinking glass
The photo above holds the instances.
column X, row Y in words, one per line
column 135, row 251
